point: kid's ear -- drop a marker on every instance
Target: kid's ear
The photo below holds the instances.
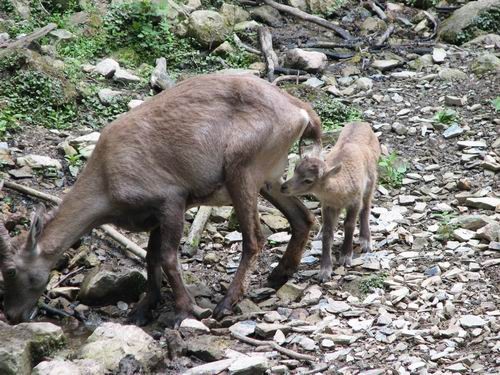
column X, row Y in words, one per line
column 333, row 170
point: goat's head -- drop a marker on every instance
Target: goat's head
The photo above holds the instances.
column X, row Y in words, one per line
column 24, row 270
column 308, row 173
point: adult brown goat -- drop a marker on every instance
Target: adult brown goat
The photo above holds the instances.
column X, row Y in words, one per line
column 210, row 140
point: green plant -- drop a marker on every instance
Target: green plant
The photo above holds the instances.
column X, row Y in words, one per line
column 74, row 163
column 334, row 114
column 445, row 116
column 488, row 21
column 445, row 225
column 496, row 103
column 38, row 99
column 372, row 282
column 392, row 170
column 9, row 122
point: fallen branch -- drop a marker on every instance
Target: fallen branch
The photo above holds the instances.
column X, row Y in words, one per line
column 266, row 46
column 108, row 229
column 383, row 38
column 376, row 9
column 326, row 44
column 309, row 17
column 200, row 221
column 67, row 276
column 278, row 348
column 244, row 46
column 333, row 54
column 27, row 39
column 290, row 78
column 434, row 24
column 317, row 369
column 289, row 71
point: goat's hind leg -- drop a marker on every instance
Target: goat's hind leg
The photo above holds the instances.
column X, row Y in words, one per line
column 142, row 312
column 345, row 256
column 365, row 238
column 301, row 220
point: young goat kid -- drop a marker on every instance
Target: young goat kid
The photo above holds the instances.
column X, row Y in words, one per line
column 345, row 179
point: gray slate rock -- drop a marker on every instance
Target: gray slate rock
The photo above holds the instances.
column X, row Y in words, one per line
column 102, row 286
column 107, row 67
column 111, row 342
column 25, row 344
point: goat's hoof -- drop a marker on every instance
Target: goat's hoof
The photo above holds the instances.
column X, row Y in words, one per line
column 324, row 275
column 180, row 316
column 222, row 310
column 365, row 246
column 140, row 317
column 277, row 279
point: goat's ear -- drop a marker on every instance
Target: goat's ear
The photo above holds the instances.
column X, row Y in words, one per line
column 333, row 170
column 37, row 224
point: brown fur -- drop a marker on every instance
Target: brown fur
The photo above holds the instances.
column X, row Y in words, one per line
column 346, row 179
column 210, row 140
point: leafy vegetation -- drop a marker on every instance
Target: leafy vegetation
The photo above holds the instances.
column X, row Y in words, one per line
column 445, row 116
column 496, row 103
column 373, row 282
column 487, row 22
column 392, row 170
column 334, row 114
column 445, row 228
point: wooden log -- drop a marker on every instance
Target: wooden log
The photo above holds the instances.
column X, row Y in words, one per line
column 266, row 46
column 309, row 17
column 26, row 40
column 383, row 38
column 200, row 221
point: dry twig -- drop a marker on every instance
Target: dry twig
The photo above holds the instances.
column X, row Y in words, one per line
column 278, row 348
column 383, row 38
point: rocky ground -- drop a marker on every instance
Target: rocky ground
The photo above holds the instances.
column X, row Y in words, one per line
column 427, row 300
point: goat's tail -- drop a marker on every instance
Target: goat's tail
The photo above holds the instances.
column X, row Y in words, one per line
column 312, row 132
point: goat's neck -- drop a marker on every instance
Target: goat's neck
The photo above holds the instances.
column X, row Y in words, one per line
column 79, row 212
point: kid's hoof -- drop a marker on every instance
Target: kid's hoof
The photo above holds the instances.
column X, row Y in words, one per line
column 140, row 316
column 277, row 279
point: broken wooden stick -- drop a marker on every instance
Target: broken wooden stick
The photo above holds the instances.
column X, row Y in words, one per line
column 297, row 79
column 266, row 46
column 108, row 229
column 193, row 240
column 383, row 38
column 245, row 46
column 27, row 39
column 309, row 17
column 375, row 9
column 434, row 24
column 275, row 346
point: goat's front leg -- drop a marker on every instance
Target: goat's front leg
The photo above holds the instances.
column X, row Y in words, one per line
column 142, row 313
column 345, row 256
column 171, row 226
column 244, row 195
column 300, row 220
column 330, row 217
